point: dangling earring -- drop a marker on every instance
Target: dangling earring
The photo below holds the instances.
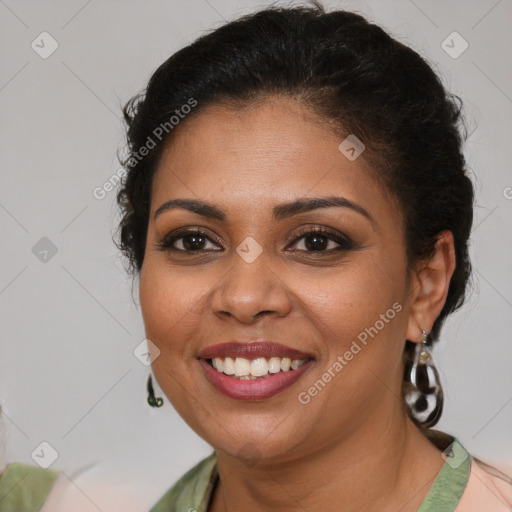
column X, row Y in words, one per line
column 152, row 400
column 423, row 393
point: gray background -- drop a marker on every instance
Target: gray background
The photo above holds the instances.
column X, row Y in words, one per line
column 68, row 375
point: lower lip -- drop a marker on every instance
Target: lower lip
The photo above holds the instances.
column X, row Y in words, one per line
column 255, row 389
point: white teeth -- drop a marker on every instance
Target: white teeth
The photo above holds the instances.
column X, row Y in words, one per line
column 249, row 369
column 242, row 367
column 259, row 367
column 297, row 363
column 229, row 366
column 274, row 365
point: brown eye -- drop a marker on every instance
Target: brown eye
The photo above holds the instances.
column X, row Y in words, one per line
column 322, row 240
column 186, row 241
column 193, row 242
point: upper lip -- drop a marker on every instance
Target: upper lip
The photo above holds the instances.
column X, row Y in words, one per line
column 252, row 350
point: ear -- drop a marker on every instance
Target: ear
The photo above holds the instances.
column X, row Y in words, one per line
column 429, row 283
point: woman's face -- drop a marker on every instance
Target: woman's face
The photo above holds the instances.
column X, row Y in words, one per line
column 339, row 298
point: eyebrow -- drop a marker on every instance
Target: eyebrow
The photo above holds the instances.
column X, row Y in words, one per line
column 279, row 212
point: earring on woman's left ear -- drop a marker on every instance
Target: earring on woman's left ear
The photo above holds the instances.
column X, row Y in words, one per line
column 424, row 395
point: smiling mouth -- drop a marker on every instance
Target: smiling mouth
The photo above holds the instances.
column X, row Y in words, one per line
column 255, row 369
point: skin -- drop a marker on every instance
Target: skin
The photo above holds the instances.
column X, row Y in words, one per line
column 351, row 447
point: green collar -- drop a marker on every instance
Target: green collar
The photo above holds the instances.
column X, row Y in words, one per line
column 192, row 492
column 447, row 489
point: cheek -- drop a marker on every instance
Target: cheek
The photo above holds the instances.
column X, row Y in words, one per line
column 350, row 299
column 360, row 317
column 360, row 314
column 170, row 304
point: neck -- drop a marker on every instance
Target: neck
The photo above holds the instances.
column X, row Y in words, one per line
column 373, row 470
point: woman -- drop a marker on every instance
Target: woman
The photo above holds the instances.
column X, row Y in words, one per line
column 297, row 210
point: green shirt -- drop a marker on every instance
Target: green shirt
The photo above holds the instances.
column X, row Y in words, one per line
column 193, row 491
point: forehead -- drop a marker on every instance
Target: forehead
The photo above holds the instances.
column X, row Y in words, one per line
column 264, row 153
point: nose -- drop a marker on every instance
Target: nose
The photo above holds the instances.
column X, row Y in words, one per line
column 250, row 291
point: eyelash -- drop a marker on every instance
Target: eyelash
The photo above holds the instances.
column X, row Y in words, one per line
column 345, row 243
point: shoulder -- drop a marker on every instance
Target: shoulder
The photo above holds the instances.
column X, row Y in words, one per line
column 192, row 490
column 476, row 485
column 487, row 489
column 25, row 487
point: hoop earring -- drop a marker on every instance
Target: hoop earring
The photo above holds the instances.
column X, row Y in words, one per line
column 152, row 400
column 424, row 394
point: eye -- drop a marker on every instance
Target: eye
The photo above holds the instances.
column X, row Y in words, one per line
column 189, row 240
column 322, row 240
